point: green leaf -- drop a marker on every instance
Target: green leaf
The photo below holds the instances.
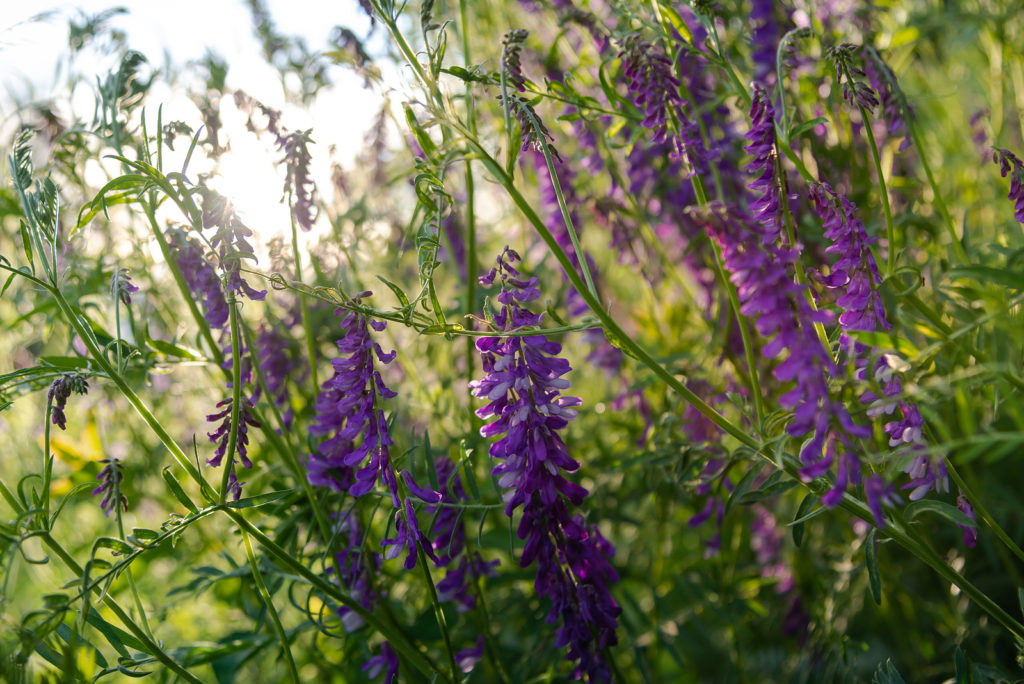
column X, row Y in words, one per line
column 65, row 633
column 402, row 299
column 887, row 674
column 885, row 340
column 802, row 128
column 116, row 545
column 118, row 639
column 871, row 560
column 951, row 513
column 174, row 350
column 997, row 276
column 177, row 491
column 70, row 362
column 262, row 499
column 803, row 513
column 143, row 534
column 745, row 483
column 771, row 487
column 963, row 668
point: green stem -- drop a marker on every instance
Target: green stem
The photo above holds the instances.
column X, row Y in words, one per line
column 304, row 306
column 228, row 460
column 566, row 216
column 982, row 512
column 438, row 614
column 890, row 228
column 125, row 619
column 398, row 640
column 128, row 571
column 915, row 136
column 47, row 465
column 268, row 602
column 136, row 402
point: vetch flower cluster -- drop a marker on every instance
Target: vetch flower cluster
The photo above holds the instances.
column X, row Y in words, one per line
column 200, row 278
column 122, row 287
column 655, row 90
column 449, row 540
column 523, row 385
column 58, row 395
column 766, row 208
column 222, row 437
column 349, row 413
column 230, row 241
column 277, row 366
column 855, row 275
column 855, row 91
column 768, row 294
column 1010, row 165
column 110, row 477
column 892, row 101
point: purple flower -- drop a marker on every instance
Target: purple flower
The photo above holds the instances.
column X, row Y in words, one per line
column 386, row 661
column 523, row 384
column 891, row 99
column 449, row 537
column 349, row 412
column 58, row 395
column 229, row 239
column 768, row 294
column 764, row 39
column 762, row 147
column 978, row 134
column 855, row 272
column 222, row 436
column 298, row 185
column 855, row 92
column 468, row 657
column 201, row 279
column 121, row 286
column 766, row 540
column 407, row 536
column 1010, row 165
column 277, row 365
column 970, row 533
column 511, row 61
column 532, row 131
column 655, row 90
column 356, row 567
column 110, row 477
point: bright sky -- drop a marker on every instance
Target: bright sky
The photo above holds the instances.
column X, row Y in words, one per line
column 183, row 31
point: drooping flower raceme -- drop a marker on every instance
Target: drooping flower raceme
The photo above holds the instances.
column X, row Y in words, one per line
column 655, row 91
column 768, row 294
column 110, row 477
column 277, row 366
column 449, row 540
column 355, row 455
column 892, row 101
column 350, row 415
column 58, row 395
column 230, row 239
column 298, row 185
column 855, row 276
column 1010, row 165
column 523, row 386
column 222, row 437
column 761, row 146
column 122, row 287
column 201, row 278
